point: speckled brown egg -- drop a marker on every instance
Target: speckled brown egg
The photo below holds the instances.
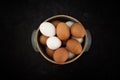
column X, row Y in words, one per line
column 60, row 55
column 43, row 39
column 77, row 30
column 74, row 46
column 63, row 31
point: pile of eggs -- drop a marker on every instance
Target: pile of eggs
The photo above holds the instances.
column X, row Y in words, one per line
column 62, row 40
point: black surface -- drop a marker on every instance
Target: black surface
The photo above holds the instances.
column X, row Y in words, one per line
column 19, row 19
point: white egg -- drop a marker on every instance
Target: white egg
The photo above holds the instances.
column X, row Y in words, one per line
column 47, row 29
column 78, row 39
column 53, row 42
column 69, row 23
column 71, row 55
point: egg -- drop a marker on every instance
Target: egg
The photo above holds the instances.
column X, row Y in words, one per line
column 69, row 23
column 63, row 31
column 70, row 55
column 60, row 55
column 77, row 30
column 43, row 39
column 53, row 42
column 74, row 46
column 47, row 29
column 49, row 52
column 78, row 39
column 55, row 22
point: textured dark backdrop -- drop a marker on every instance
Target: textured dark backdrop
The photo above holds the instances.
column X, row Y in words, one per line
column 20, row 18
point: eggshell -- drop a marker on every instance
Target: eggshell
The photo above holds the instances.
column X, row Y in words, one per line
column 47, row 29
column 63, row 31
column 74, row 46
column 53, row 42
column 78, row 39
column 60, row 55
column 49, row 52
column 55, row 22
column 70, row 55
column 69, row 23
column 77, row 30
column 43, row 39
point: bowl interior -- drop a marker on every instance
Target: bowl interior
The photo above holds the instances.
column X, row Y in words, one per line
column 42, row 48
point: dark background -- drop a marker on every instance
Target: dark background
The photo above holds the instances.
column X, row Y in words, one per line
column 20, row 18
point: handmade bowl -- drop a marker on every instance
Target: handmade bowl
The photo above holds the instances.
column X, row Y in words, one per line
column 38, row 47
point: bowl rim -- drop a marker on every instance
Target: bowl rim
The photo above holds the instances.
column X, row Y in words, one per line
column 42, row 52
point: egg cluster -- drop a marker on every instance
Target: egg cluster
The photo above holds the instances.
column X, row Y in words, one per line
column 62, row 40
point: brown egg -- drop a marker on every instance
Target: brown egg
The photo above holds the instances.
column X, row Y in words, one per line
column 63, row 31
column 60, row 55
column 77, row 30
column 49, row 52
column 43, row 39
column 74, row 46
column 55, row 22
